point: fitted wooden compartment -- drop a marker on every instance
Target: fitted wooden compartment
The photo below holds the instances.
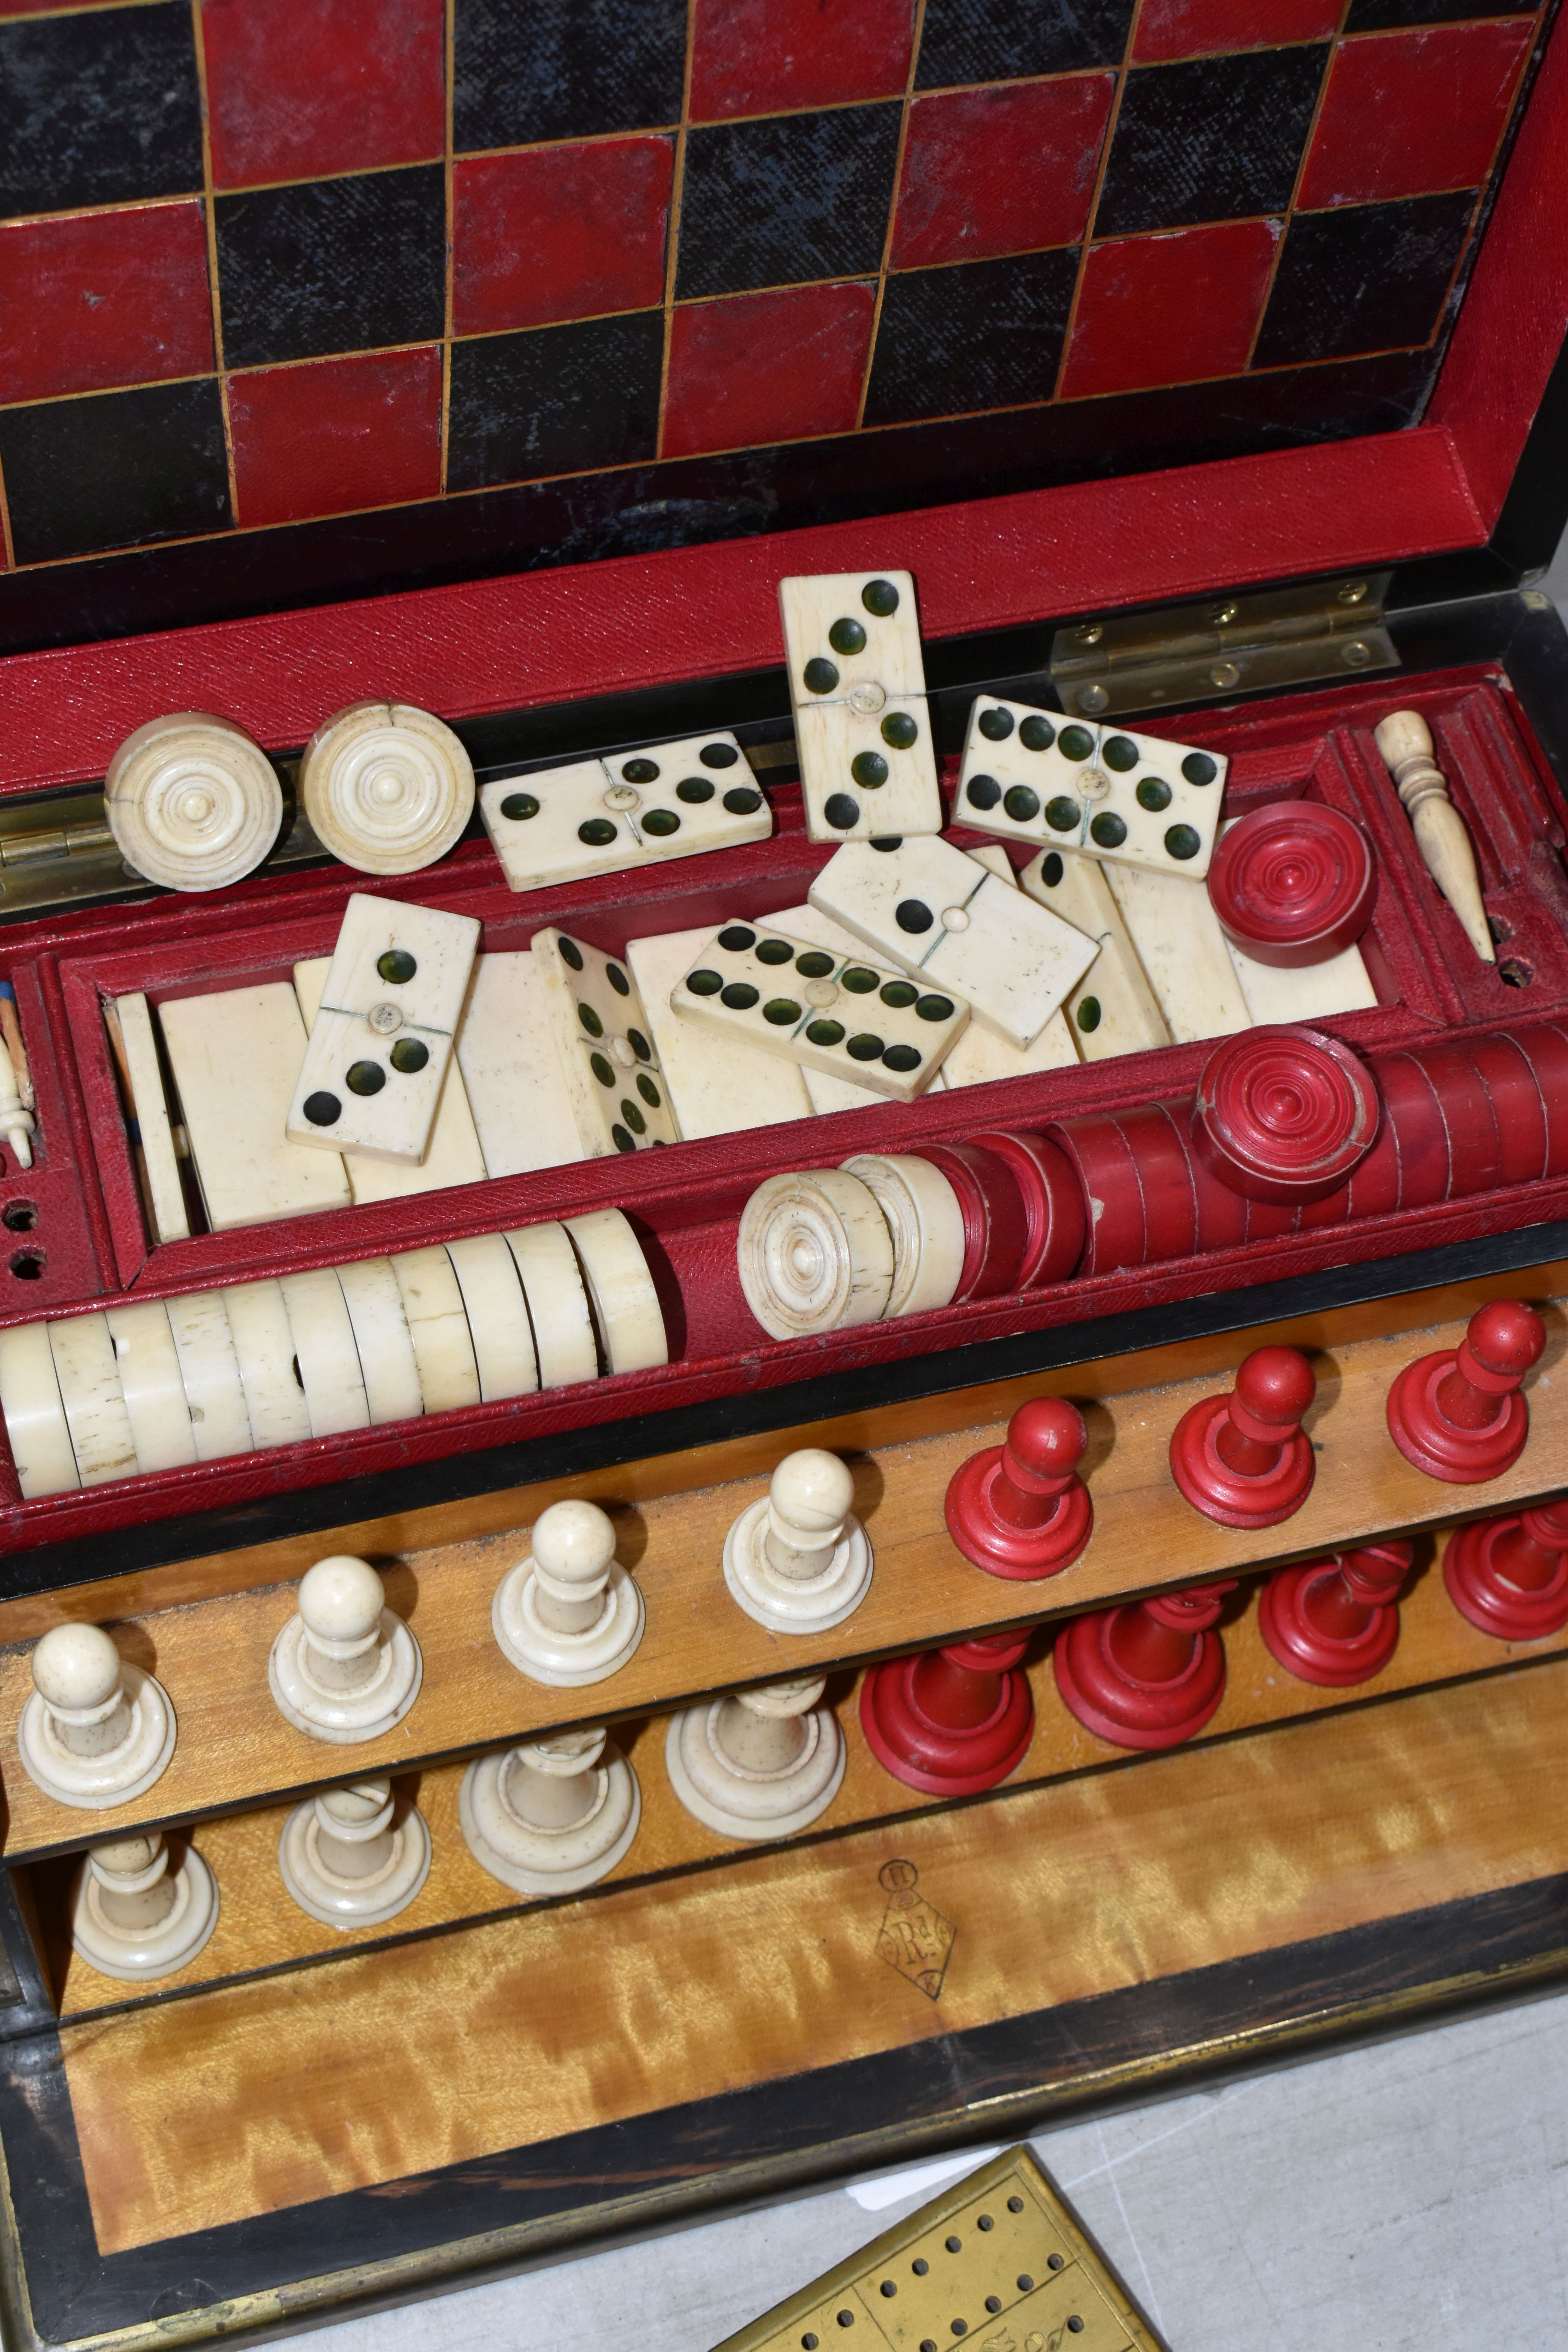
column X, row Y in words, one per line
column 258, row 1932
column 686, row 1201
column 210, row 1652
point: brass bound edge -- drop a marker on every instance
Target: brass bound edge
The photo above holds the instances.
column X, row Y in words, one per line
column 998, row 2261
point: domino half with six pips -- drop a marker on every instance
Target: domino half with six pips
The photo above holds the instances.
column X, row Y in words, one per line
column 826, row 1012
column 1131, row 799
column 381, row 1041
column 598, row 816
column 948, row 922
column 604, row 1040
column 856, row 684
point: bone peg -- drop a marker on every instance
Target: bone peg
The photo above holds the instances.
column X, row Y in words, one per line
column 1404, row 740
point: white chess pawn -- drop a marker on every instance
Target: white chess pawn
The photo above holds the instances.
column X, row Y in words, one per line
column 553, row 1815
column 569, row 1614
column 135, row 1915
column 353, row 1856
column 761, row 1764
column 798, row 1559
column 96, row 1730
column 344, row 1668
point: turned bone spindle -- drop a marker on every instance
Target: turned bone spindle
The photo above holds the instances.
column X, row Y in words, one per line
column 1404, row 739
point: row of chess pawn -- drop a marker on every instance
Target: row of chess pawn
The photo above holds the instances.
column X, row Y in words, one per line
column 98, row 1730
column 161, row 1383
column 552, row 1816
column 345, row 1669
column 1289, row 1130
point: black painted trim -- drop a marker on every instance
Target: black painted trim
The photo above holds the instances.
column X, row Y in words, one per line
column 682, row 2161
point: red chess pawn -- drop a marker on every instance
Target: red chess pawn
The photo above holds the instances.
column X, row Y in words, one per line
column 1509, row 1576
column 1021, row 1509
column 1148, row 1674
column 1457, row 1415
column 951, row 1721
column 1336, row 1622
column 1241, row 1459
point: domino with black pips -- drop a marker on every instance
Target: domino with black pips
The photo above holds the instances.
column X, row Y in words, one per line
column 949, row 921
column 856, row 684
column 600, row 817
column 825, row 1012
column 381, row 1041
column 1112, row 1009
column 1103, row 791
column 605, row 1040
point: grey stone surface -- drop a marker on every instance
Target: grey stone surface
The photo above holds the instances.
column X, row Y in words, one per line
column 1391, row 2198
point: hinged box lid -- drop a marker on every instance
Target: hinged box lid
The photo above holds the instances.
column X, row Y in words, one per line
column 1231, row 290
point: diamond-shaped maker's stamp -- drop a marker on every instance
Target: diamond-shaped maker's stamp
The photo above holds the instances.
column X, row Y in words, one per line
column 914, row 1937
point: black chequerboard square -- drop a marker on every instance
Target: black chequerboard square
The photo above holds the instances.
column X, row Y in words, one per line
column 1002, row 40
column 99, row 107
column 787, row 199
column 525, row 70
column 1385, row 15
column 115, row 470
column 1215, row 139
column 986, row 334
column 1364, row 277
column 332, row 265
column 554, row 400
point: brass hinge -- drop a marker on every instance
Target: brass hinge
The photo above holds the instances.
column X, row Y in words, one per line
column 75, row 858
column 1226, row 644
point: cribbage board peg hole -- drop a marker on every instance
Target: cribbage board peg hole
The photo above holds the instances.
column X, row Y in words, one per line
column 1457, row 1415
column 352, row 1856
column 760, row 1764
column 1336, row 1622
column 96, row 1730
column 569, row 1614
column 136, row 1913
column 1020, row 1509
column 798, row 1559
column 553, row 1815
column 1509, row 1576
column 1148, row 1674
column 344, row 1668
column 1242, row 1459
column 951, row 1721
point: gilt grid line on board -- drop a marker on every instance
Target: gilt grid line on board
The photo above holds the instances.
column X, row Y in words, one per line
column 263, row 261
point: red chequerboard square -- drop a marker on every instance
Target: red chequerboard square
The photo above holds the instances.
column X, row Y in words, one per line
column 336, row 435
column 765, row 57
column 298, row 89
column 754, row 369
column 1202, row 28
column 1406, row 114
column 92, row 300
column 557, row 233
column 1006, row 170
column 1171, row 308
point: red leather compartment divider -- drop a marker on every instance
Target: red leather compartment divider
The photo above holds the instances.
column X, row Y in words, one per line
column 686, row 1201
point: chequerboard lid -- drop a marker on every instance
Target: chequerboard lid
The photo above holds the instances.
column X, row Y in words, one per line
column 779, row 274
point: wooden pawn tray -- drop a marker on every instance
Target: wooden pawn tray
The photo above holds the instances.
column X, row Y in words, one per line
column 303, row 2134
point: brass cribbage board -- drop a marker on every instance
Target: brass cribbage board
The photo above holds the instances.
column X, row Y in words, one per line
column 998, row 2259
